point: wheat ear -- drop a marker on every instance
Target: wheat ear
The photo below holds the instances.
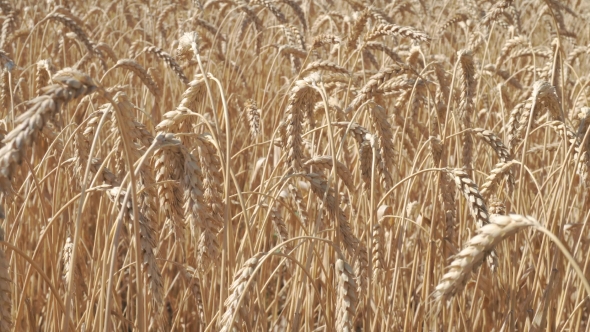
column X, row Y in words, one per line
column 475, row 250
column 319, row 186
column 356, row 29
column 377, row 248
column 466, row 107
column 494, row 142
column 169, row 167
column 147, row 79
column 325, row 163
column 298, row 12
column 447, row 190
column 372, row 86
column 347, row 297
column 253, row 115
column 177, row 120
column 169, row 60
column 143, row 75
column 77, row 30
column 398, row 31
column 210, row 165
column 70, row 84
column 238, row 299
column 300, row 102
column 491, row 182
column 8, row 27
column 148, row 246
column 471, row 193
column 324, row 65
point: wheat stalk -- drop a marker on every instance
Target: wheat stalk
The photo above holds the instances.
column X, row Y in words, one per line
column 5, row 293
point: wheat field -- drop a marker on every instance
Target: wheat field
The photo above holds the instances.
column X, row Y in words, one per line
column 295, row 165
